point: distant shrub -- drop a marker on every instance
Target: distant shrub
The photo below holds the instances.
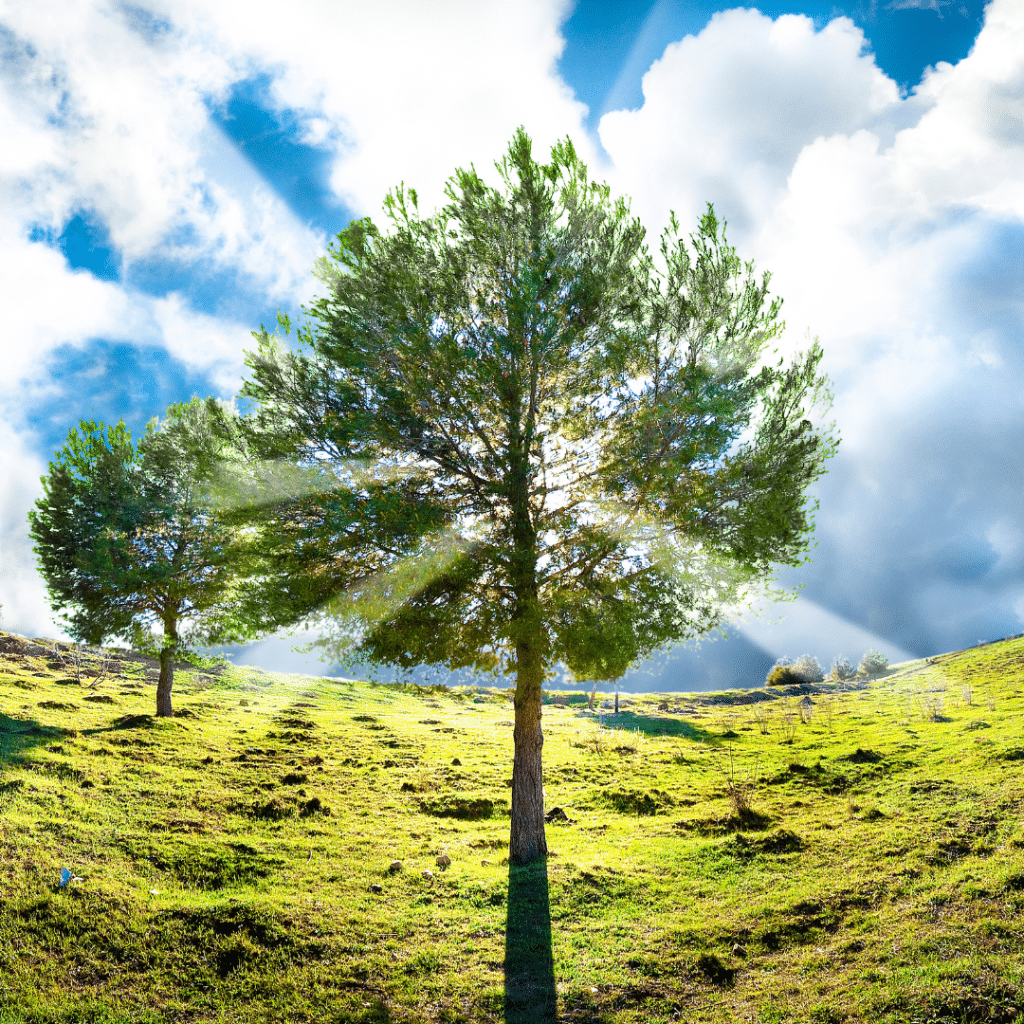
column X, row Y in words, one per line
column 783, row 675
column 842, row 668
column 793, row 673
column 873, row 663
column 808, row 669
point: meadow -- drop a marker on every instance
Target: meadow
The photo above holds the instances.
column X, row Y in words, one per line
column 297, row 849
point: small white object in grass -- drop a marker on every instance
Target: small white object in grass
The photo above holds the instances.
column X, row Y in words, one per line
column 154, row 892
column 428, row 875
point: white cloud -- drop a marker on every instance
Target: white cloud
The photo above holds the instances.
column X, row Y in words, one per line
column 888, row 224
column 24, row 607
column 114, row 123
column 410, row 91
column 46, row 304
column 726, row 113
column 212, row 345
column 104, row 109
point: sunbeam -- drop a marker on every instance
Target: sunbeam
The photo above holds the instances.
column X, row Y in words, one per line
column 781, row 632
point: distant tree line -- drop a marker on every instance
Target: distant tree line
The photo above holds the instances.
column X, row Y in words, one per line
column 806, row 669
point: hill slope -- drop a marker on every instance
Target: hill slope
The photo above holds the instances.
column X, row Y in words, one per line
column 732, row 857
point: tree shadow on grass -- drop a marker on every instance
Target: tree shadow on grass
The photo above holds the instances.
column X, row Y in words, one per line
column 530, row 996
column 18, row 735
column 651, row 725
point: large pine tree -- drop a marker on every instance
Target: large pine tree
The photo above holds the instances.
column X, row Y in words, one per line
column 527, row 442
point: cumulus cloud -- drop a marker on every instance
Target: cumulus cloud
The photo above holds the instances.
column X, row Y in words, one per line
column 890, row 225
column 105, row 108
column 23, row 601
column 727, row 112
column 401, row 92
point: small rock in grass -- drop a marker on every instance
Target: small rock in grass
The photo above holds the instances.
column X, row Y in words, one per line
column 486, row 863
column 376, row 888
column 455, row 760
column 394, row 866
column 738, row 950
column 443, row 861
column 428, row 875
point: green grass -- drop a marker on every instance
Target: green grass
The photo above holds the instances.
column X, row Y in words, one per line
column 721, row 860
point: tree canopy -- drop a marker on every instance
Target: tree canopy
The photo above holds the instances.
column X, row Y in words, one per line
column 127, row 541
column 509, row 437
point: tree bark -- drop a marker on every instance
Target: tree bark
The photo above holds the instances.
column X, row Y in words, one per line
column 527, row 839
column 163, row 687
column 167, row 653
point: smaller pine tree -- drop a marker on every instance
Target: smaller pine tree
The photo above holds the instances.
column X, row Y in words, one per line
column 808, row 669
column 842, row 668
column 873, row 663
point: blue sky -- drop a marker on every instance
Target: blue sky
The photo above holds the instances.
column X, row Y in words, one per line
column 173, row 170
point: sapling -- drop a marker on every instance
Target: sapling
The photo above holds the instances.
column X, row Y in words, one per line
column 740, row 791
column 761, row 717
column 788, row 728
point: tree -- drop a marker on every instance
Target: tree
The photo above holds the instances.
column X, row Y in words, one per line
column 126, row 539
column 526, row 441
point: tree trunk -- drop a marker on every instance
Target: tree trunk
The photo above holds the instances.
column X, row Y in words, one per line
column 527, row 840
column 163, row 688
column 167, row 653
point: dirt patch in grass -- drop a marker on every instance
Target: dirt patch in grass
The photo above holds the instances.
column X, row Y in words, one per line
column 57, row 705
column 774, row 844
column 639, row 802
column 462, row 808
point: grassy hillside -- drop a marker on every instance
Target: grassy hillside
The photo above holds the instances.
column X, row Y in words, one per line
column 730, row 857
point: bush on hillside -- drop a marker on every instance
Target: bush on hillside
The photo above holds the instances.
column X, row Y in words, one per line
column 795, row 673
column 808, row 669
column 782, row 675
column 842, row 668
column 873, row 663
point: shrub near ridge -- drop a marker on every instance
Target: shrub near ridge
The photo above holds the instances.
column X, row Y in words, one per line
column 874, row 873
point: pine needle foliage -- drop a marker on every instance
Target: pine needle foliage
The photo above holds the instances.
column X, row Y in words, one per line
column 527, row 441
column 128, row 543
